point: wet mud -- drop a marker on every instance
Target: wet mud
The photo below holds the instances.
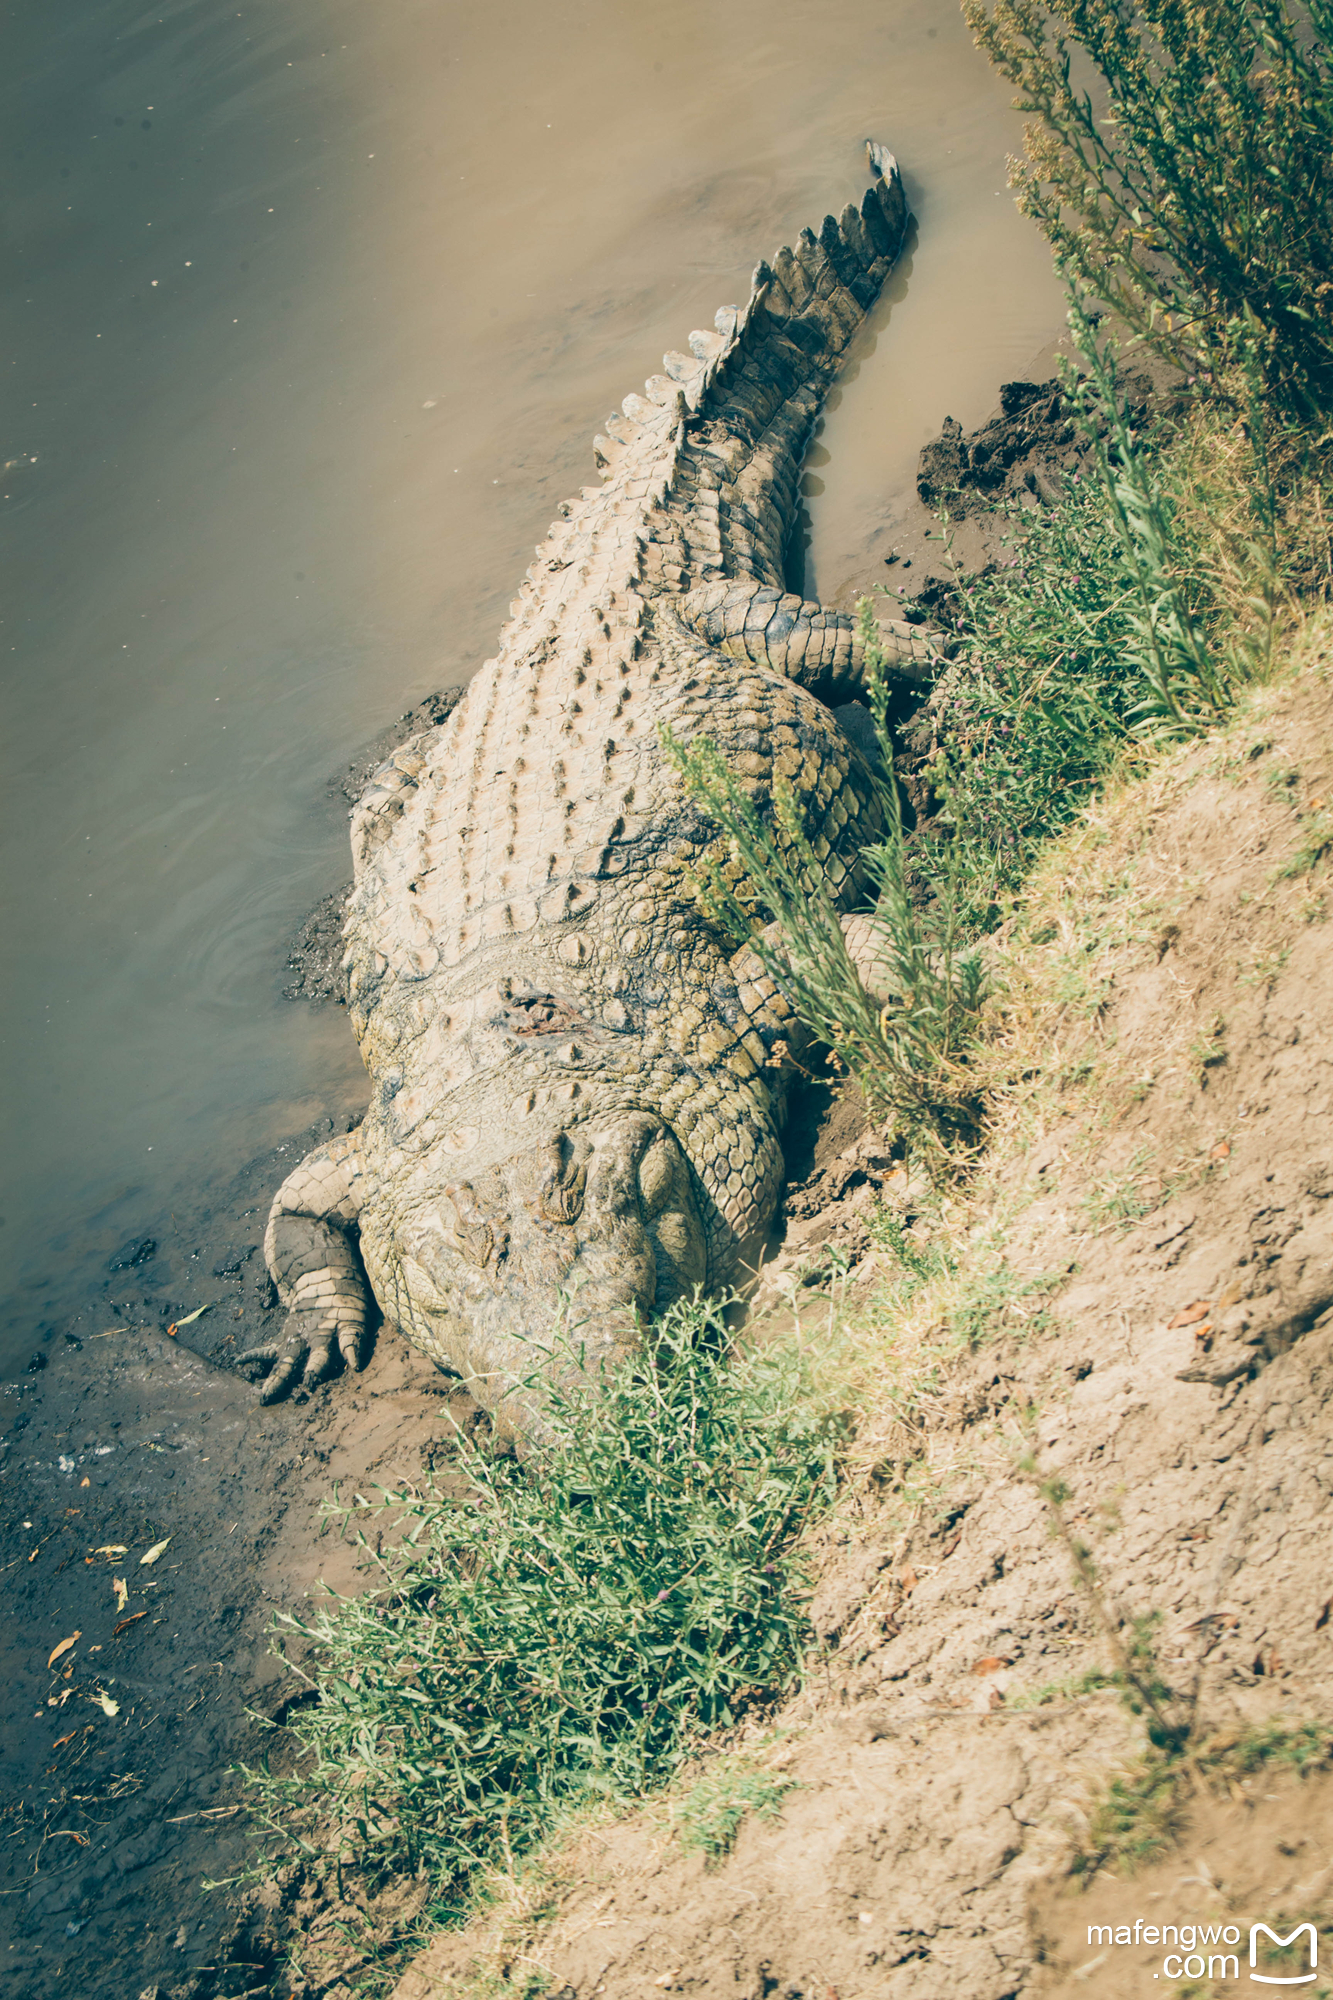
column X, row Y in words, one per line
column 314, row 954
column 121, row 1802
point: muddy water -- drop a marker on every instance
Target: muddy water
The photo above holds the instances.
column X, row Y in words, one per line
column 310, row 312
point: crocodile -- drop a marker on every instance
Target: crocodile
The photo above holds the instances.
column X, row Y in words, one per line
column 578, row 1093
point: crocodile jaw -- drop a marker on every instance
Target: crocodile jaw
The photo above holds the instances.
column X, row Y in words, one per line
column 544, row 1268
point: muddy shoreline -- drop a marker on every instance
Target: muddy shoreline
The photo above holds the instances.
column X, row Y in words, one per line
column 118, row 1755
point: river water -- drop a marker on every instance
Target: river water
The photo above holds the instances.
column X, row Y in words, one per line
column 309, row 313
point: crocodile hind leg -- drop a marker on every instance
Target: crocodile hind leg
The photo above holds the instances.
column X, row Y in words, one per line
column 315, row 1268
column 820, row 650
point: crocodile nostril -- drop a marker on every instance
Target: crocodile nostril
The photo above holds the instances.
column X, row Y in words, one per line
column 564, row 1184
column 477, row 1240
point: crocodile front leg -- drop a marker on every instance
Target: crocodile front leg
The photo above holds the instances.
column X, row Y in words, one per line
column 820, row 650
column 315, row 1268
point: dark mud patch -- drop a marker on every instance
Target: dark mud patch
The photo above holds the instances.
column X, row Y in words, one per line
column 977, row 479
column 429, row 713
column 316, row 952
column 314, row 955
column 116, row 1757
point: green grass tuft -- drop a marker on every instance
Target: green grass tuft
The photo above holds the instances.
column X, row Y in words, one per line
column 555, row 1633
column 710, row 1816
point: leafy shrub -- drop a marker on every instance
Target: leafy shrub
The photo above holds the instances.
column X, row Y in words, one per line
column 1194, row 192
column 558, row 1632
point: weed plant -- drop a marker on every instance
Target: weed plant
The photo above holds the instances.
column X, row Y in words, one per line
column 711, row 1815
column 1133, row 606
column 1191, row 188
column 1144, row 1808
column 559, row 1632
column 1033, row 718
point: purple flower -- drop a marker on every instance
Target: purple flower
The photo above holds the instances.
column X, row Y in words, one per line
column 662, row 1596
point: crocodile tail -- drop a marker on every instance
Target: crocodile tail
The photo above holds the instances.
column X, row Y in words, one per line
column 753, row 387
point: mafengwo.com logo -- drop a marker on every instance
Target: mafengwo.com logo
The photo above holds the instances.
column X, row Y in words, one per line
column 1265, row 1954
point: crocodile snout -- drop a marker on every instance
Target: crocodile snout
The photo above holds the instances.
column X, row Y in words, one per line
column 548, row 1266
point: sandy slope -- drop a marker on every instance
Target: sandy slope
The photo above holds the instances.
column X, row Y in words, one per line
column 1151, row 1278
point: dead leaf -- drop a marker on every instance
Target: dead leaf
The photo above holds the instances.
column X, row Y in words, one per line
column 908, row 1579
column 85, row 1481
column 63, row 1647
column 952, row 1543
column 1187, row 1315
column 188, row 1320
column 133, row 1619
column 992, row 1664
column 1221, row 1151
column 153, row 1553
column 106, row 1704
column 121, row 1588
column 112, row 1549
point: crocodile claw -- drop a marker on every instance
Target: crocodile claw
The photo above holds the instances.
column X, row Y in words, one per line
column 307, row 1353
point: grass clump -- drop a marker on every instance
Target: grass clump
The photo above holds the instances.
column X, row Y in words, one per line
column 710, row 1816
column 557, row 1633
column 1139, row 1816
column 999, row 1297
column 1144, row 1810
column 1030, row 721
column 1133, row 606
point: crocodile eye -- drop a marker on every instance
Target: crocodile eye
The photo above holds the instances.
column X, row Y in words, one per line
column 562, row 1202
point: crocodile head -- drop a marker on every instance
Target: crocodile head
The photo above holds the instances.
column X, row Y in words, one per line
column 550, row 1264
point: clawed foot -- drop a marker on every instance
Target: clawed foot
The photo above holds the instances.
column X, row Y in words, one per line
column 307, row 1353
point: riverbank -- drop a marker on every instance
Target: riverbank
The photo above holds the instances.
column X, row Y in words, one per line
column 116, row 1757
column 117, row 1819
column 1072, row 1622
